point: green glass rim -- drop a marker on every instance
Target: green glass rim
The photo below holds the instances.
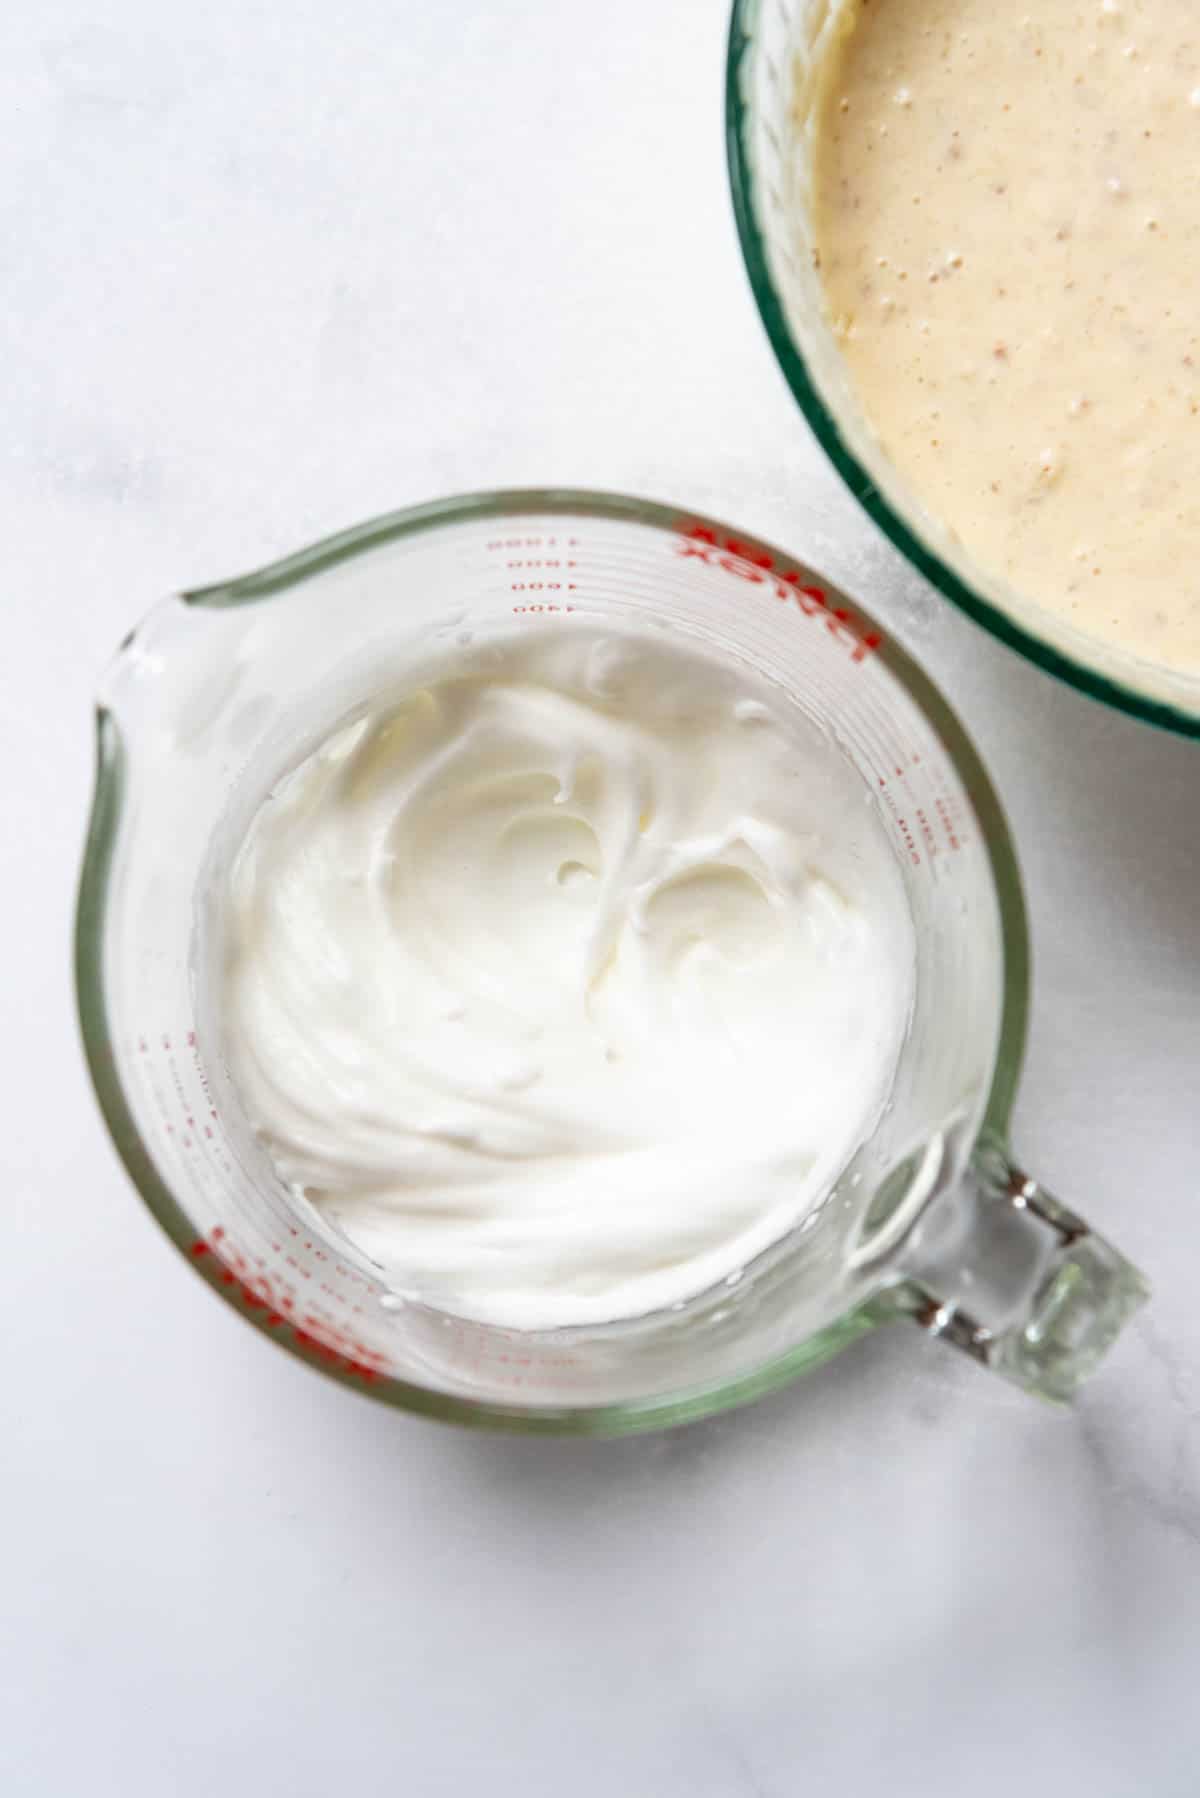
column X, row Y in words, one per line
column 95, row 892
column 825, row 427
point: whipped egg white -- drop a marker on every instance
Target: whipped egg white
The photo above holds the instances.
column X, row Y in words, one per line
column 568, row 981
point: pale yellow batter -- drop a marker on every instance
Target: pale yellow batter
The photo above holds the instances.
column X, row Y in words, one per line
column 1007, row 214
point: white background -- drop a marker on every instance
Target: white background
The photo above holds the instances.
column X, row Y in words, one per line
column 270, row 269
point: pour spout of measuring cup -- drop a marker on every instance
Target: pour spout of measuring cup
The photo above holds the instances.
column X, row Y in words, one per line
column 180, row 671
column 1005, row 1272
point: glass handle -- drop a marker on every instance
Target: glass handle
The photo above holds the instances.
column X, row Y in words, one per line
column 1019, row 1282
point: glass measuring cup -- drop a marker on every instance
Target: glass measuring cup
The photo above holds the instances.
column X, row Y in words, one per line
column 217, row 692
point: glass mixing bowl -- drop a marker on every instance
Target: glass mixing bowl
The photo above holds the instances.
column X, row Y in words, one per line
column 774, row 46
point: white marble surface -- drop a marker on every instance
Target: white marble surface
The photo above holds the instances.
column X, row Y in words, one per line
column 267, row 271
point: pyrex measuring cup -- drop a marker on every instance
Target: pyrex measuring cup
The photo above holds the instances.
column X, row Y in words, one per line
column 216, row 693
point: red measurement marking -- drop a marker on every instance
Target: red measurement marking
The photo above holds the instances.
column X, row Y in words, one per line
column 902, row 825
column 947, row 822
column 541, row 607
column 759, row 568
column 258, row 1292
column 951, row 830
